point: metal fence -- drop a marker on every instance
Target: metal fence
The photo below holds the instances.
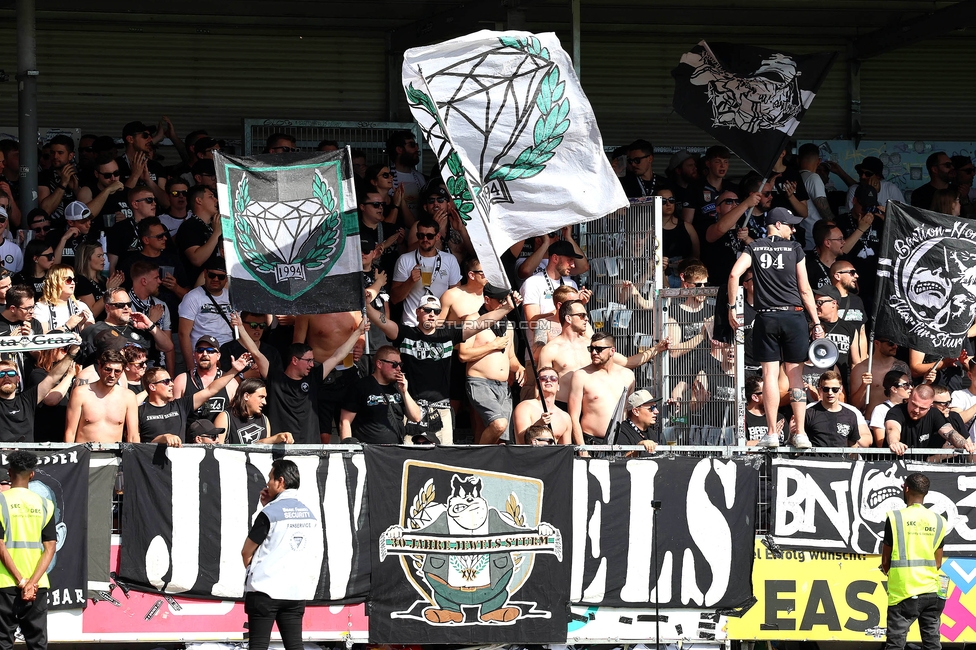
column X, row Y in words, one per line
column 369, row 137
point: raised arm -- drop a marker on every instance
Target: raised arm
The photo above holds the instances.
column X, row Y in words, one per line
column 57, row 373
column 237, row 366
column 329, row 364
column 244, row 338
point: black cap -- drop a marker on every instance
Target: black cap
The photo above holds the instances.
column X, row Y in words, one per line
column 781, row 215
column 867, row 196
column 828, row 291
column 871, row 164
column 215, row 263
column 208, row 340
column 136, row 127
column 563, row 248
column 205, row 429
column 204, row 168
column 498, row 293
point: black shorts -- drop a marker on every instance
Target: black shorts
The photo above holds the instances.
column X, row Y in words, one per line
column 332, row 392
column 780, row 336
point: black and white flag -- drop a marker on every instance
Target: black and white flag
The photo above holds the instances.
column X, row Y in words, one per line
column 470, row 545
column 62, row 477
column 926, row 296
column 750, row 99
column 187, row 513
column 706, row 532
column 291, row 232
column 841, row 506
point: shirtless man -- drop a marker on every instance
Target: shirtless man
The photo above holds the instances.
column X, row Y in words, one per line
column 570, row 350
column 491, row 361
column 101, row 411
column 465, row 299
column 884, row 361
column 595, row 392
column 326, row 333
column 529, row 412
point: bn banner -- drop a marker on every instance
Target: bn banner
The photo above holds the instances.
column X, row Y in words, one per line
column 291, row 232
column 706, row 525
column 926, row 297
column 842, row 505
column 471, row 545
column 187, row 512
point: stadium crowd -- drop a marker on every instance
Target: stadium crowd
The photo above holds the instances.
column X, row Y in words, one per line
column 128, row 254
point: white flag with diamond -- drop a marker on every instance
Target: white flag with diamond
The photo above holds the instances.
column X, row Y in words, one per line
column 518, row 143
column 291, row 232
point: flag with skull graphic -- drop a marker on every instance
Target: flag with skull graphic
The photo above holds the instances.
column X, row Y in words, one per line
column 517, row 140
column 748, row 98
column 291, row 232
column 926, row 295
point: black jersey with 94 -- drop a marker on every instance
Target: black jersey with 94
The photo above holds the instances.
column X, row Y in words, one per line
column 774, row 261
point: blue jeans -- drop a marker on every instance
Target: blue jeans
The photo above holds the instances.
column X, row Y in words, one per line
column 927, row 608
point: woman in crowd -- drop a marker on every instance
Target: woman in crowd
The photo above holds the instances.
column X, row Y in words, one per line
column 945, row 201
column 38, row 260
column 51, row 412
column 244, row 423
column 58, row 309
column 89, row 263
column 6, row 281
column 380, row 180
column 680, row 239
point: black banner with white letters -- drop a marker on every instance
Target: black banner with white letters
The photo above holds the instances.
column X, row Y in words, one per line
column 842, row 505
column 187, row 513
column 706, row 527
column 470, row 545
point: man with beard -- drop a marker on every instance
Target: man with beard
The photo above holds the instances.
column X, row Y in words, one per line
column 425, row 271
column 916, row 424
column 143, row 294
column 529, row 412
column 17, row 409
column 830, row 422
column 377, row 404
column 58, row 186
column 123, row 238
column 642, row 412
column 941, row 173
column 122, row 325
column 102, row 410
column 850, row 339
column 596, row 390
column 682, row 174
column 204, row 373
column 107, row 196
column 640, row 180
column 404, row 155
column 828, row 244
column 537, row 290
column 845, row 279
column 884, row 361
column 205, row 310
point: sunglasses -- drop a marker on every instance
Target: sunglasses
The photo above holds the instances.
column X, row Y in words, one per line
column 138, row 364
column 598, row 348
column 161, row 236
column 636, row 161
column 548, row 378
column 864, row 173
column 8, row 373
column 206, row 350
column 3, row 219
column 436, row 199
column 112, row 371
column 385, row 175
column 767, row 194
column 69, row 280
column 831, row 389
column 145, row 134
column 582, row 315
column 166, row 381
column 177, row 193
column 430, row 310
column 375, row 204
column 393, row 364
column 40, row 229
column 148, row 200
column 283, row 149
column 941, row 403
column 108, row 175
column 256, row 326
column 821, row 303
column 48, row 256
column 119, row 305
column 731, row 202
column 669, row 200
column 427, row 235
column 543, row 441
column 903, row 384
column 217, row 276
column 847, row 272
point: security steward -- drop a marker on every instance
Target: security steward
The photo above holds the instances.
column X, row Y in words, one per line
column 911, row 558
column 285, row 540
column 28, row 546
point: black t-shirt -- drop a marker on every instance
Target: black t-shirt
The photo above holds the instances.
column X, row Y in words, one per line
column 17, row 417
column 774, row 261
column 123, row 238
column 70, row 246
column 629, row 434
column 923, row 432
column 635, row 187
column 25, row 362
column 842, row 333
column 291, row 405
column 35, row 283
column 691, row 324
column 259, row 531
column 756, row 426
column 50, row 179
column 114, row 203
column 818, row 273
column 193, row 232
column 829, row 429
column 85, row 287
column 864, row 254
column 922, row 196
column 156, row 170
column 379, row 412
column 235, row 349
column 851, row 309
column 48, row 420
column 102, row 336
column 427, row 360
column 780, row 199
column 170, row 418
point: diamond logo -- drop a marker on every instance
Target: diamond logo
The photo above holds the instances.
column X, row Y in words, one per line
column 285, row 226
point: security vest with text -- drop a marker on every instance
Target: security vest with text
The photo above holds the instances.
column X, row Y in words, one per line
column 916, row 534
column 24, row 515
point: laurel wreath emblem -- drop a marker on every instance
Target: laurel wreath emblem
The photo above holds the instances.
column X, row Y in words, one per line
column 313, row 257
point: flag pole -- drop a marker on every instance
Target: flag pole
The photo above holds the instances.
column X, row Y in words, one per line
column 748, row 212
column 535, row 370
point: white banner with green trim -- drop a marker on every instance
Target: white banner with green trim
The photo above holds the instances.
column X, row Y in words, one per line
column 291, row 232
column 518, row 143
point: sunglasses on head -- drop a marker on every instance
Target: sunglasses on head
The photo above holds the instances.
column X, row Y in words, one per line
column 430, row 310
column 108, row 175
column 427, row 235
column 216, row 276
column 206, row 350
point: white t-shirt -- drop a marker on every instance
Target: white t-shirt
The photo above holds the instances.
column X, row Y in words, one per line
column 445, row 274
column 879, row 414
column 11, row 256
column 815, row 189
column 54, row 318
column 537, row 290
column 961, row 399
column 173, row 224
column 196, row 306
column 888, row 192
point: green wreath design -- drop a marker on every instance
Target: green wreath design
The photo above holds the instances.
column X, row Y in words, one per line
column 245, row 234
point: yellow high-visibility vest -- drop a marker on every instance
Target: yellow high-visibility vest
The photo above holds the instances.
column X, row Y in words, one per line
column 24, row 515
column 916, row 533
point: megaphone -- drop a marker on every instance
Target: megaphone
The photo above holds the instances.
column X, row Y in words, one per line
column 823, row 354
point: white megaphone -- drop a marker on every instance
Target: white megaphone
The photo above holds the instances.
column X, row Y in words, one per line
column 823, row 353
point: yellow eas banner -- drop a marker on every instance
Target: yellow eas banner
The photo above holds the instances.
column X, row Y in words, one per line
column 829, row 596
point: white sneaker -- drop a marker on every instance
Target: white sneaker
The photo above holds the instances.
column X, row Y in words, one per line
column 769, row 440
column 800, row 441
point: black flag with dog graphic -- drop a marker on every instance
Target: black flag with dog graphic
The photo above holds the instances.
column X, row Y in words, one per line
column 748, row 98
column 469, row 546
column 926, row 297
